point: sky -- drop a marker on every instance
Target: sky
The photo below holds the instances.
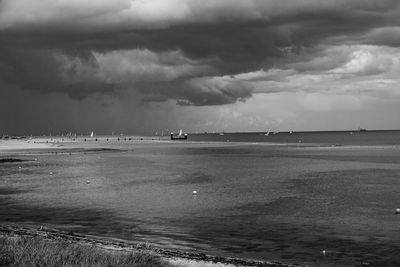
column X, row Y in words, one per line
column 143, row 66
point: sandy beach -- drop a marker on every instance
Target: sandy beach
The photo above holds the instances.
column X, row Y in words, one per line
column 7, row 146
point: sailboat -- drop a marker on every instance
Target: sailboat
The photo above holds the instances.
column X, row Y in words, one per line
column 91, row 134
column 267, row 133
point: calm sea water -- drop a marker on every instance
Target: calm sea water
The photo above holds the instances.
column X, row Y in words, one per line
column 275, row 199
column 338, row 138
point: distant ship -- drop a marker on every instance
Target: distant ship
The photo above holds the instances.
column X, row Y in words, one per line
column 222, row 133
column 180, row 136
column 361, row 129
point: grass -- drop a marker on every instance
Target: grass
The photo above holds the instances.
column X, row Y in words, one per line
column 37, row 251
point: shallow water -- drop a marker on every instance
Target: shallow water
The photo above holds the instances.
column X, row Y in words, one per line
column 273, row 202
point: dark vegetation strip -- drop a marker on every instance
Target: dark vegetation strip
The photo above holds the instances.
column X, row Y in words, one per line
column 37, row 251
column 8, row 160
column 90, row 245
column 69, row 150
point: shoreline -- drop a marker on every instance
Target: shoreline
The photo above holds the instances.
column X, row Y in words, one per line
column 59, row 145
column 173, row 256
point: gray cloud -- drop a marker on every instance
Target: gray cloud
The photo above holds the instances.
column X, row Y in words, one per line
column 158, row 14
column 194, row 53
column 383, row 36
column 205, row 91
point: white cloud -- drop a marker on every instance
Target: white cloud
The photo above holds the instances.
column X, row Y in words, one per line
column 26, row 12
column 350, row 70
column 136, row 14
column 120, row 13
column 368, row 60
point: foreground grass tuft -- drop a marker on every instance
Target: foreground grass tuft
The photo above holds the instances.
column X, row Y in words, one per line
column 37, row 251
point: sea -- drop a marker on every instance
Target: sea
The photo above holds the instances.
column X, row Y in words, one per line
column 310, row 198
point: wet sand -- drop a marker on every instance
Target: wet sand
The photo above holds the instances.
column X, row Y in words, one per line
column 300, row 202
column 13, row 151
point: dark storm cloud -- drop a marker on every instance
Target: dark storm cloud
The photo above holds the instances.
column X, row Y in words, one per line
column 205, row 91
column 47, row 71
column 181, row 50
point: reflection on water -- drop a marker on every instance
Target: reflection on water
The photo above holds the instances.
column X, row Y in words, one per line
column 313, row 205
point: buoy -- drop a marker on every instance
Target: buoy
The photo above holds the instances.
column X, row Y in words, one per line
column 194, row 192
column 51, row 173
column 35, row 159
column 88, row 182
column 19, row 167
column 398, row 211
column 324, row 252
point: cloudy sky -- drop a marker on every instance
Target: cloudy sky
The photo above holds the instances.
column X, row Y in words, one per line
column 139, row 66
